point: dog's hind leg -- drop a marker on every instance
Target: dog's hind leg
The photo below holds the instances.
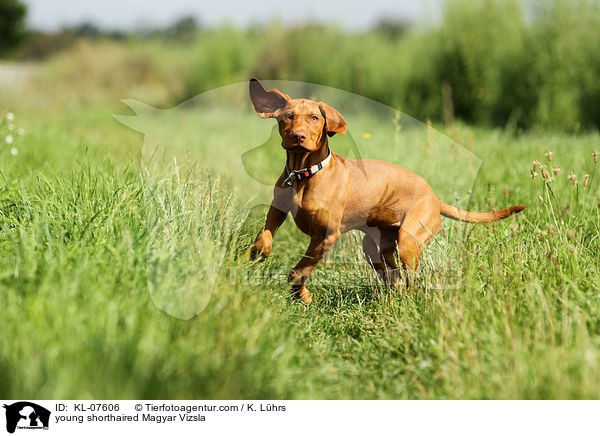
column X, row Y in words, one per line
column 379, row 247
column 373, row 255
column 412, row 237
column 388, row 250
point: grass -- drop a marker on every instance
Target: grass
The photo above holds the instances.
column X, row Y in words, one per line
column 93, row 245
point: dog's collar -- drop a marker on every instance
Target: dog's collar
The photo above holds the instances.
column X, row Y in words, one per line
column 305, row 173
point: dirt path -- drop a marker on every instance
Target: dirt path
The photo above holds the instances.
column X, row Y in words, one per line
column 15, row 74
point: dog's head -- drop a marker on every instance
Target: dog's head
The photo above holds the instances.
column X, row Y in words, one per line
column 303, row 124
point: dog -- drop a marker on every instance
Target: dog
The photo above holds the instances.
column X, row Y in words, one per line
column 328, row 194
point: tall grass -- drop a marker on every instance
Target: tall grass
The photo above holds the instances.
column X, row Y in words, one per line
column 121, row 282
column 80, row 238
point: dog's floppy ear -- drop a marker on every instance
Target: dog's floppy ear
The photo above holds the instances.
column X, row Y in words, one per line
column 268, row 104
column 334, row 120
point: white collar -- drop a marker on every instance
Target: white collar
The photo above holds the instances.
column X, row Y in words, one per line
column 305, row 173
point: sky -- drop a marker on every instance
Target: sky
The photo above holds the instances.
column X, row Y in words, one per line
column 131, row 14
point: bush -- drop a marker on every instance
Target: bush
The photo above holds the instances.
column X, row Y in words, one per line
column 488, row 62
column 12, row 25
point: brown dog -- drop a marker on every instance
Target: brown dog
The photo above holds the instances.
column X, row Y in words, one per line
column 328, row 194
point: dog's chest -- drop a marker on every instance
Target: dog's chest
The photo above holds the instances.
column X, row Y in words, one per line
column 311, row 212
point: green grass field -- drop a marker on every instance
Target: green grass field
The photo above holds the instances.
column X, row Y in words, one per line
column 92, row 246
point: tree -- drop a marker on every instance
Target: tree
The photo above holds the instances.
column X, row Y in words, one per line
column 12, row 24
column 392, row 27
column 183, row 29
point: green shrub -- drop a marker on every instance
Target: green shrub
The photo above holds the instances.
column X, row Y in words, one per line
column 490, row 62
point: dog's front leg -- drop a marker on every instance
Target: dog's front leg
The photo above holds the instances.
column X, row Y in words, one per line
column 317, row 249
column 264, row 240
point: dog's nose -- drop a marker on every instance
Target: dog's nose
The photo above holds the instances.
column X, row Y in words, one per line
column 299, row 136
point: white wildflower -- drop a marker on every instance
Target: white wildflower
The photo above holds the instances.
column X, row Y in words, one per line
column 9, row 139
column 10, row 116
column 20, row 131
column 11, row 126
column 14, row 151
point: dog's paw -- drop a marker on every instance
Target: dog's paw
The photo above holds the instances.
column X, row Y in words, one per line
column 258, row 253
column 262, row 245
column 303, row 295
column 306, row 296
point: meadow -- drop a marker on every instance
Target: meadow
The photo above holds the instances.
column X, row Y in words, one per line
column 79, row 320
column 123, row 238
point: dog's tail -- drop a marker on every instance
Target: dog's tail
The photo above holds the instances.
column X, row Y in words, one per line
column 478, row 217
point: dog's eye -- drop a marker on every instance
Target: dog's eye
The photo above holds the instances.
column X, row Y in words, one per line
column 289, row 116
column 314, row 118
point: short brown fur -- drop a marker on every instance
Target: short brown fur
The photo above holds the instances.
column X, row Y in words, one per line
column 395, row 208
